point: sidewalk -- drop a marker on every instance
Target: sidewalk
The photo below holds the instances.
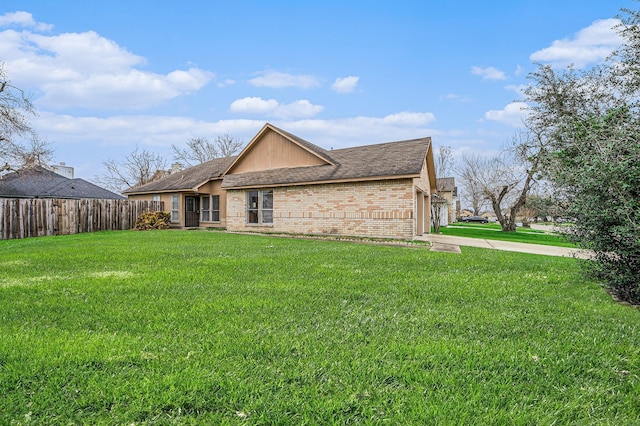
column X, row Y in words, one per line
column 451, row 244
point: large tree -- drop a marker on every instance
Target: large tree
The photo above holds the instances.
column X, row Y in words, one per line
column 592, row 122
column 20, row 146
column 503, row 181
column 200, row 150
column 137, row 168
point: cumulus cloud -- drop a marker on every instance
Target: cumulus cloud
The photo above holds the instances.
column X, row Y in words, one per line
column 590, row 45
column 345, row 85
column 22, row 19
column 279, row 80
column 86, row 70
column 488, row 73
column 511, row 115
column 272, row 108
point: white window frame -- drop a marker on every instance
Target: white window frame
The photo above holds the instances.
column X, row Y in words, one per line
column 215, row 213
column 258, row 211
column 175, row 208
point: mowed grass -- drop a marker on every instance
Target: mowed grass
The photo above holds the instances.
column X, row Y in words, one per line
column 188, row 327
column 492, row 231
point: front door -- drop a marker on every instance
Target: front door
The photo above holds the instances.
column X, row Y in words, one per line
column 191, row 212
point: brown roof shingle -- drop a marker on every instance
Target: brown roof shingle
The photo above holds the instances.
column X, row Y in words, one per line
column 387, row 160
column 187, row 179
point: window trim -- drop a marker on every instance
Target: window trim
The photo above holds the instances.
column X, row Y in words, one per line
column 212, row 213
column 259, row 208
column 175, row 212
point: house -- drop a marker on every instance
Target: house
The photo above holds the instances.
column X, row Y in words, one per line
column 38, row 182
column 448, row 191
column 283, row 183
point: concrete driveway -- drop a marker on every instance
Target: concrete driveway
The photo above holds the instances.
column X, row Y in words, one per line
column 448, row 243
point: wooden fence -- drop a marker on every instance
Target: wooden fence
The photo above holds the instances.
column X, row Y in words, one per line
column 35, row 217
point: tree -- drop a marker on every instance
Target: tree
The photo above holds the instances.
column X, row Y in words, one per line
column 138, row 168
column 20, row 146
column 443, row 163
column 504, row 181
column 593, row 153
column 200, row 150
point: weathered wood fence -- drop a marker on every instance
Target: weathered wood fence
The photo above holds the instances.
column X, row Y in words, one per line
column 35, row 217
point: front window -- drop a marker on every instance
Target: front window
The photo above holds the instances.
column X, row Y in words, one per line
column 210, row 208
column 260, row 206
column 175, row 208
column 215, row 208
column 204, row 208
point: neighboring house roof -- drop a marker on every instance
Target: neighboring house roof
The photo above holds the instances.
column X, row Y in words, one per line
column 186, row 180
column 447, row 184
column 387, row 160
column 38, row 182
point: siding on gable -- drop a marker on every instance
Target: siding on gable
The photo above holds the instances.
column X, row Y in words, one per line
column 274, row 152
column 375, row 209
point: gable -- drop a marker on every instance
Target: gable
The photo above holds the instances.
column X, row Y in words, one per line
column 271, row 150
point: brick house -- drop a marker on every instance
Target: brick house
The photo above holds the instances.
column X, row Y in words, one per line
column 282, row 183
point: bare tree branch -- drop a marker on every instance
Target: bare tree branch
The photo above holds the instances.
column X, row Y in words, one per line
column 201, row 150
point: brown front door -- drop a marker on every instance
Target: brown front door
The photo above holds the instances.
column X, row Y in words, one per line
column 191, row 212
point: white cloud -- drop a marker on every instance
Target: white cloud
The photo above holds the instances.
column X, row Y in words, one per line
column 226, row 83
column 588, row 46
column 488, row 73
column 518, row 88
column 279, row 80
column 345, row 85
column 409, row 118
column 456, row 98
column 272, row 108
column 22, row 19
column 253, row 105
column 86, row 70
column 511, row 115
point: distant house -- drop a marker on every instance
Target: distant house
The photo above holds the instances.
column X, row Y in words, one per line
column 38, row 182
column 283, row 183
column 449, row 192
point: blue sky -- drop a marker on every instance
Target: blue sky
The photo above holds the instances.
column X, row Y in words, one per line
column 110, row 76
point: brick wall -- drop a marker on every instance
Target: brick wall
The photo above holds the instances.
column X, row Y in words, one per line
column 377, row 208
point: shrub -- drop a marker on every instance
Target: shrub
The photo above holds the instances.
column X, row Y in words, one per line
column 152, row 220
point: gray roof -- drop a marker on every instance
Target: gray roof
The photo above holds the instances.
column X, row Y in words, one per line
column 447, row 184
column 38, row 182
column 392, row 159
column 187, row 179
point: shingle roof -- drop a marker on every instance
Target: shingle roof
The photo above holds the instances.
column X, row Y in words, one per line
column 392, row 159
column 446, row 184
column 38, row 182
column 187, row 179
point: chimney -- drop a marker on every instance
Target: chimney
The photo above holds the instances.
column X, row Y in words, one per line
column 176, row 167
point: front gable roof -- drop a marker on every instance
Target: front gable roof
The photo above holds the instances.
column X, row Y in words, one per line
column 392, row 160
column 274, row 148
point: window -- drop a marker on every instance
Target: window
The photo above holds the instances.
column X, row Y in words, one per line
column 175, row 208
column 215, row 208
column 260, row 206
column 210, row 208
column 204, row 208
column 156, row 198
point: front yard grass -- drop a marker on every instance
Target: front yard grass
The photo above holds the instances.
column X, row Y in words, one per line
column 179, row 327
column 492, row 231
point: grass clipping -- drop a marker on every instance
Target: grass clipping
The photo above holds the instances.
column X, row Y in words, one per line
column 152, row 220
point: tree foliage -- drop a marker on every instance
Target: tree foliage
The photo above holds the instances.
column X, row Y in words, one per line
column 201, row 150
column 592, row 131
column 20, row 146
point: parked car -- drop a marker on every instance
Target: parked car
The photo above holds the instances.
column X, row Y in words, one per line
column 475, row 219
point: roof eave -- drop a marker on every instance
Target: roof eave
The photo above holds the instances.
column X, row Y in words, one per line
column 322, row 182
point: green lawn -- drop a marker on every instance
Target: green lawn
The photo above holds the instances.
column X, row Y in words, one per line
column 492, row 231
column 194, row 327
